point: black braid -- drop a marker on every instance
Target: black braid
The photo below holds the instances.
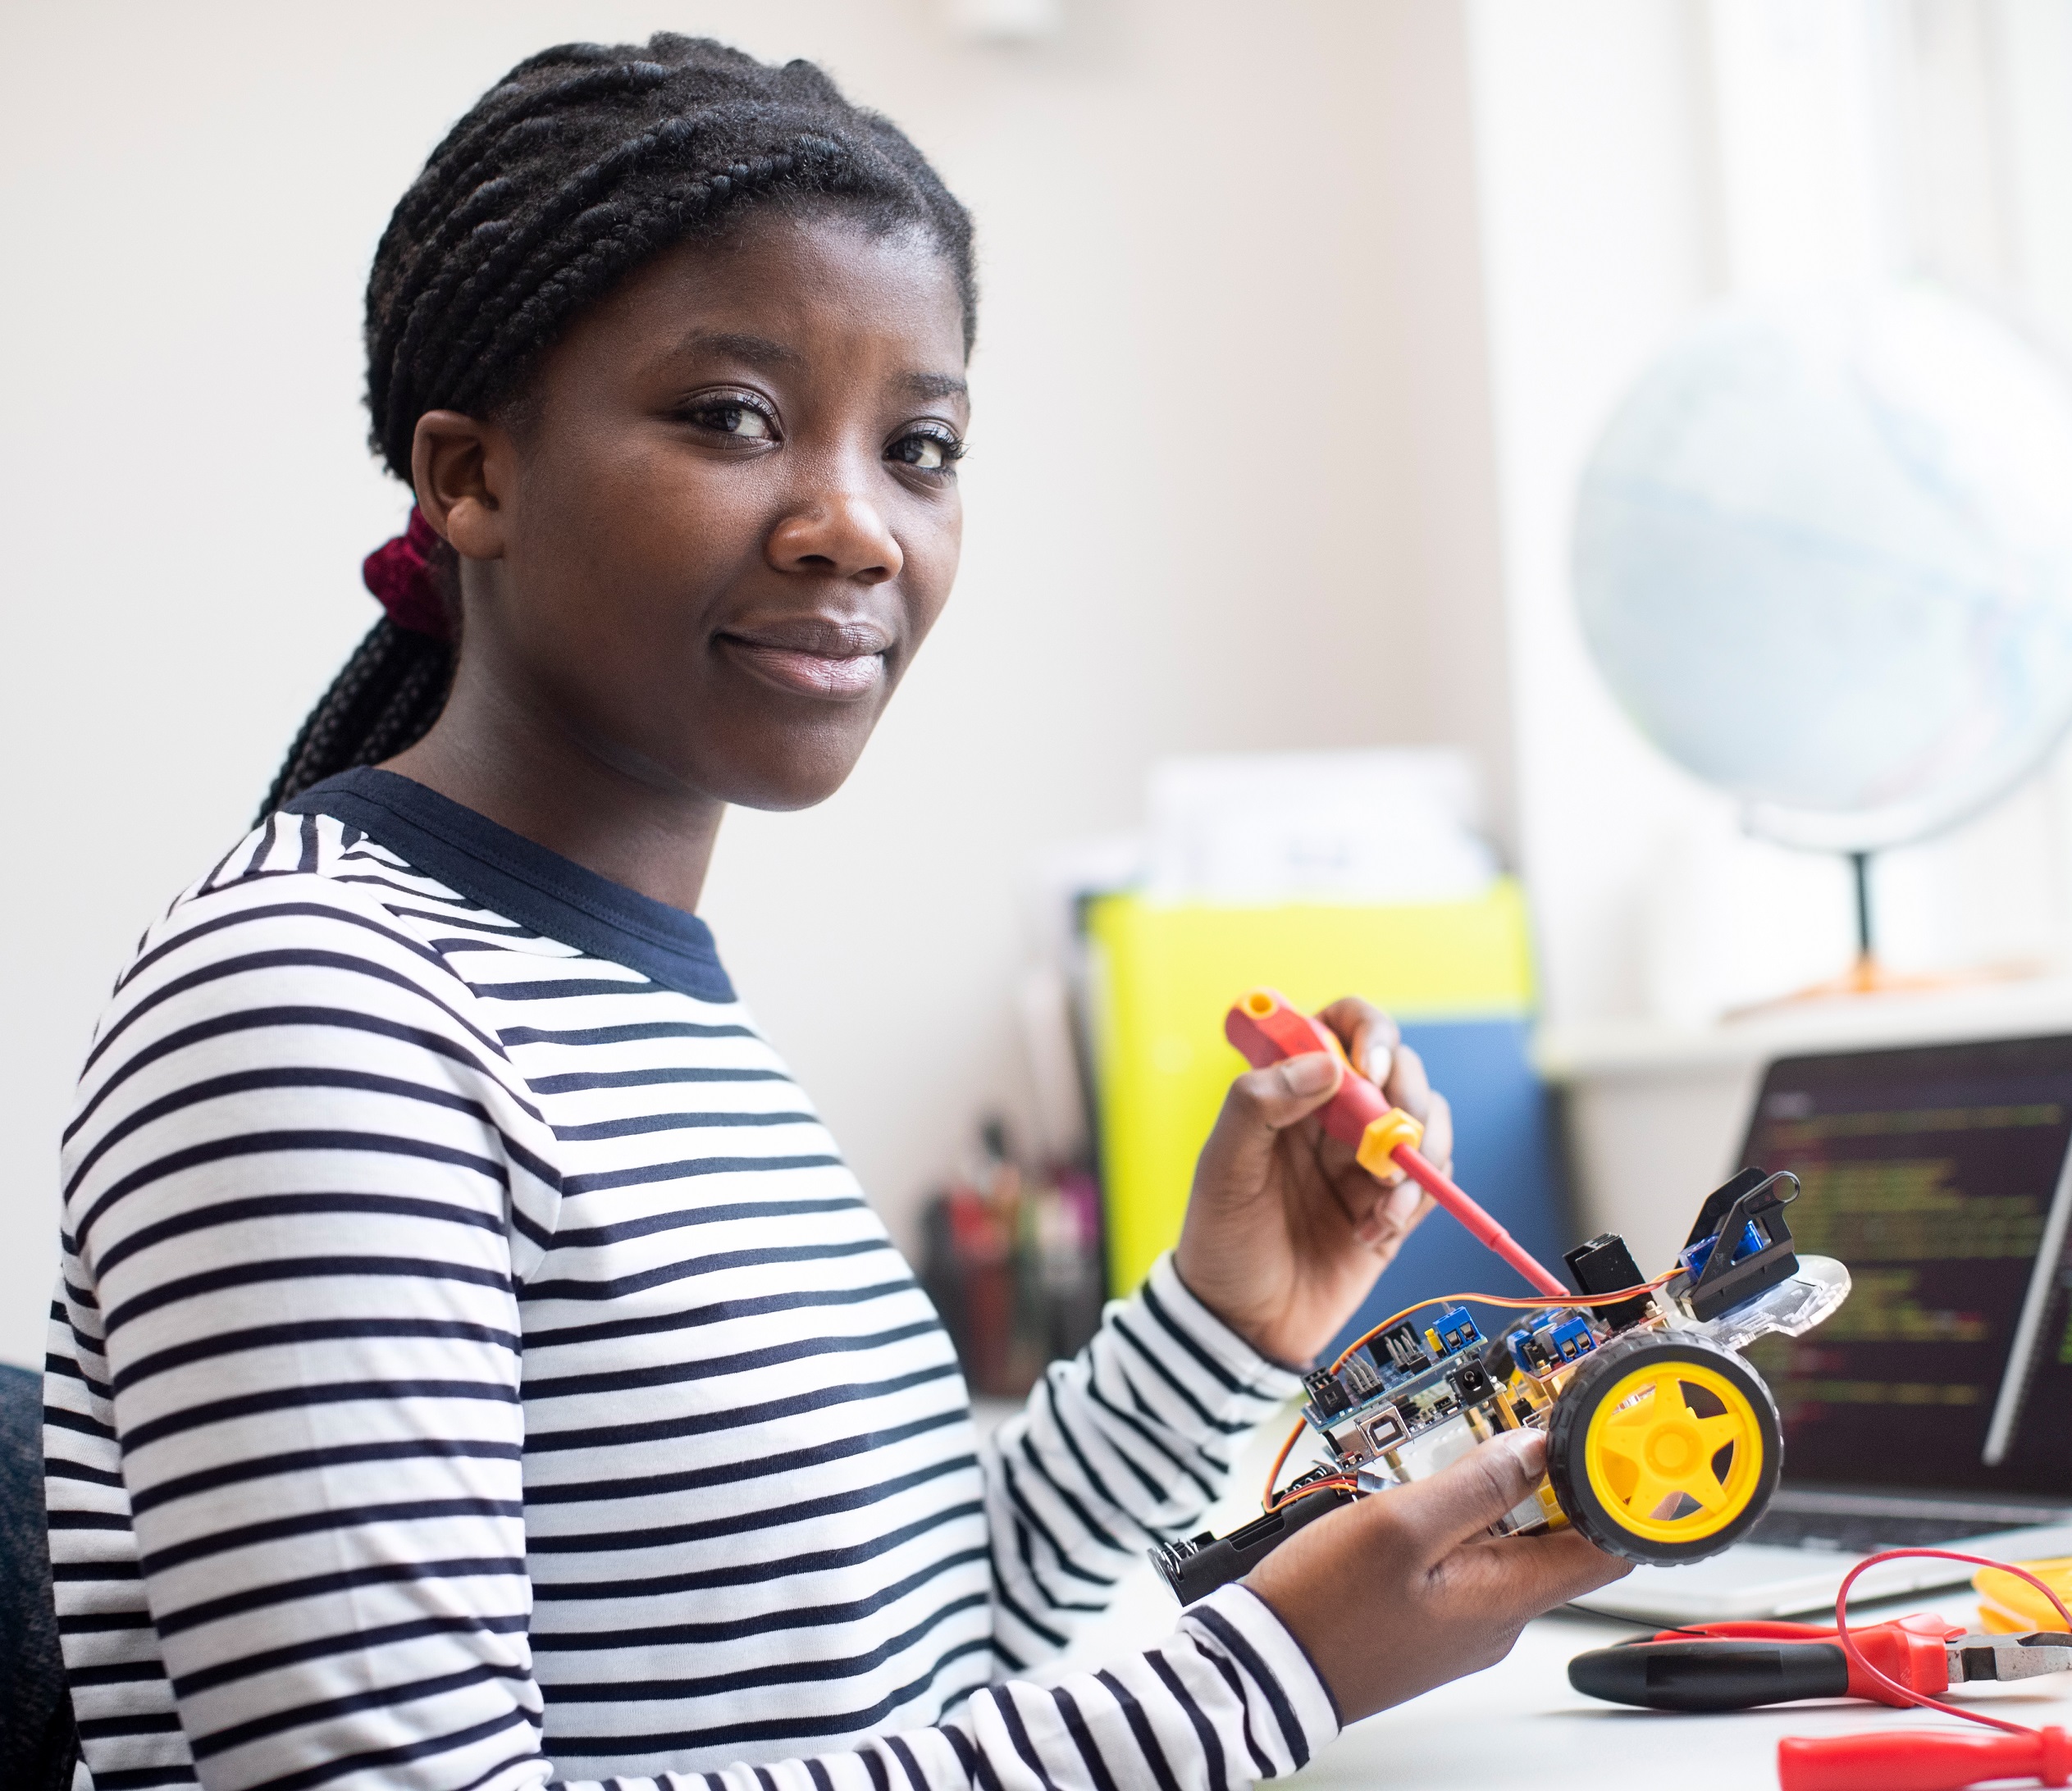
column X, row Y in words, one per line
column 582, row 164
column 388, row 694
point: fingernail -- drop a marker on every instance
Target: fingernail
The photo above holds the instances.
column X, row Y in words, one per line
column 1532, row 1449
column 1378, row 1064
column 1312, row 1073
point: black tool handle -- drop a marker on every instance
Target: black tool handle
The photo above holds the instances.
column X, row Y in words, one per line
column 1196, row 1569
column 1711, row 1675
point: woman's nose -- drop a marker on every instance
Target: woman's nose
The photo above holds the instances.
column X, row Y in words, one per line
column 839, row 536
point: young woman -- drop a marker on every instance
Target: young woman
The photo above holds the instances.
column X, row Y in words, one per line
column 474, row 1366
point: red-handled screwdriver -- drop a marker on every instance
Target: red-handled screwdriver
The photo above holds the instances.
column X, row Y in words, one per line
column 1265, row 1029
column 1922, row 1760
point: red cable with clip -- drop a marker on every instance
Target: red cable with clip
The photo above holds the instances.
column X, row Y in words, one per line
column 1924, row 1760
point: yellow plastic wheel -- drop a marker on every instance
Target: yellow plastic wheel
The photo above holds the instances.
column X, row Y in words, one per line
column 1665, row 1450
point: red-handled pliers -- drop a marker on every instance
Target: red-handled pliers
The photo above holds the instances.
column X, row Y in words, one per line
column 1739, row 1665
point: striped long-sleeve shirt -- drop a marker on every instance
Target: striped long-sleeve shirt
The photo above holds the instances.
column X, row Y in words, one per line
column 474, row 1366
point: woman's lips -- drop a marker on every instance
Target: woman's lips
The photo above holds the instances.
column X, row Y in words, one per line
column 840, row 677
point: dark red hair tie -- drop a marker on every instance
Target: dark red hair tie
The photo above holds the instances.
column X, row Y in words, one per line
column 399, row 574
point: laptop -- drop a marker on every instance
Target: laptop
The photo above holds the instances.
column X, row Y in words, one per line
column 1934, row 1409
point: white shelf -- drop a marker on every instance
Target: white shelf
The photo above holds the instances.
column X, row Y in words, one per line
column 1624, row 1048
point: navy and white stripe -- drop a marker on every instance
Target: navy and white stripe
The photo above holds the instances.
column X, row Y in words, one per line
column 476, row 1367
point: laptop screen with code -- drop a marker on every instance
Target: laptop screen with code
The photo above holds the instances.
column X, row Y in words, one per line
column 1940, row 1175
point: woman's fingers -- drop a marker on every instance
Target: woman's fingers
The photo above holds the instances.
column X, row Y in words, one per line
column 1397, row 1204
column 1407, row 1086
column 1395, row 1213
column 1384, row 1218
column 1446, row 1519
column 1261, row 1104
column 1403, row 1591
column 1438, row 1143
column 1524, row 1575
column 1383, row 1210
column 1369, row 1035
column 1374, row 1046
column 1460, row 1502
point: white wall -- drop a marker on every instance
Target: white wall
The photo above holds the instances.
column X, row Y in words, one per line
column 1231, row 486
column 1595, row 204
column 1637, row 159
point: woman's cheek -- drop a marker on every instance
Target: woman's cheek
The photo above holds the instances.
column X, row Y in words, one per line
column 932, row 569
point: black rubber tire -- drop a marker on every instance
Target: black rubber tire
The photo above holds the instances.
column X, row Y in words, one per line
column 1578, row 1404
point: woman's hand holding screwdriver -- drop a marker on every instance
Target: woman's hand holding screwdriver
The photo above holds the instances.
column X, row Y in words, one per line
column 1285, row 1235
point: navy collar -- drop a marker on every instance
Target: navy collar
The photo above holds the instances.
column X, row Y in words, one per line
column 524, row 881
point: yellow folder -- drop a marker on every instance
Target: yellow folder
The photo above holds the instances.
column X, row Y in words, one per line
column 1162, row 974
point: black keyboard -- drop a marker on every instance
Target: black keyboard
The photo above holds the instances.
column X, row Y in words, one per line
column 1861, row 1533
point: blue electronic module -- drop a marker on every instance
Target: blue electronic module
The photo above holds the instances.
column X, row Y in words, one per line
column 1452, row 1331
column 1694, row 1257
column 1565, row 1339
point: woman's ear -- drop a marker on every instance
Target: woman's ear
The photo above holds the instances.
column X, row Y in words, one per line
column 462, row 469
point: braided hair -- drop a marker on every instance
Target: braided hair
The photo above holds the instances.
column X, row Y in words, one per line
column 581, row 165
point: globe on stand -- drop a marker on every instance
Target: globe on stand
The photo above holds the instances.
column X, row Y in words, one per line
column 1823, row 557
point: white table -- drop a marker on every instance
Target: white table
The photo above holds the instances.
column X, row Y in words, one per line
column 1519, row 1725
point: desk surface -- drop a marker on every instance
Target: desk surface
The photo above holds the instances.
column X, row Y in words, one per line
column 1519, row 1727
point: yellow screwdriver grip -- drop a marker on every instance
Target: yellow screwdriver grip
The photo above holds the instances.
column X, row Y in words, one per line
column 1377, row 1154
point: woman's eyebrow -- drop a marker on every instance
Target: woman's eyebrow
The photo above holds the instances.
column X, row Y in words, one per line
column 757, row 351
column 760, row 351
column 933, row 386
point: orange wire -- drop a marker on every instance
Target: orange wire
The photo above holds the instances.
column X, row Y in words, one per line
column 1267, row 1502
column 1279, row 1461
column 1289, row 1497
column 1512, row 1301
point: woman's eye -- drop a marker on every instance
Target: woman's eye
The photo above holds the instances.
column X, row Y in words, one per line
column 742, row 422
column 926, row 451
